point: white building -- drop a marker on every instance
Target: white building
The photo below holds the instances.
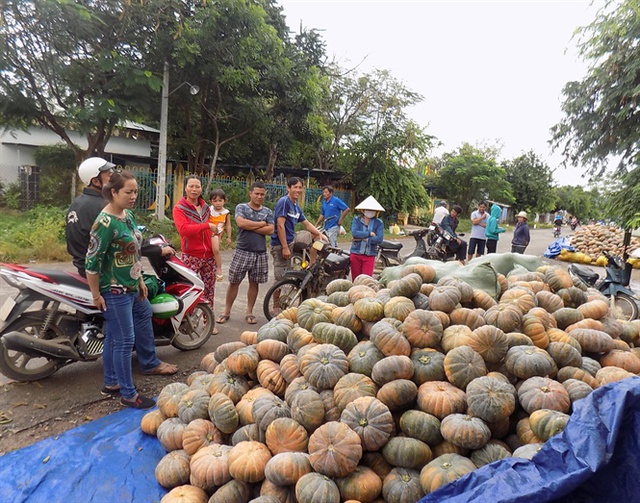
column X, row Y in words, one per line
column 131, row 144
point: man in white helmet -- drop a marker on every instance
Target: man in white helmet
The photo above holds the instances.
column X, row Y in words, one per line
column 94, row 173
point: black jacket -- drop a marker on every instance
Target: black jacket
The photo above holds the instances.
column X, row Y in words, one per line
column 82, row 213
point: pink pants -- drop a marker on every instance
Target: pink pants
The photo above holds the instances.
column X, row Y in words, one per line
column 361, row 264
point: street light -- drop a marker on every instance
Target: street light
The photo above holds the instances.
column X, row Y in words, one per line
column 162, row 147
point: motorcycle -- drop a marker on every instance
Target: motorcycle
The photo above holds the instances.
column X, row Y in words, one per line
column 66, row 327
column 300, row 251
column 614, row 285
column 557, row 230
column 389, row 251
column 439, row 247
column 297, row 285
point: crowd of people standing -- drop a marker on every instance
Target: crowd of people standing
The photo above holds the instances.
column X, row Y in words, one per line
column 103, row 239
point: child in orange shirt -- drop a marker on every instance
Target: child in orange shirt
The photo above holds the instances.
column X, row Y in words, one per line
column 220, row 217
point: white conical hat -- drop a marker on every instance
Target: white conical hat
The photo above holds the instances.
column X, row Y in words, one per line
column 370, row 203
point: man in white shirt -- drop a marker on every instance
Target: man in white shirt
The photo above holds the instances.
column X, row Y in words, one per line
column 440, row 212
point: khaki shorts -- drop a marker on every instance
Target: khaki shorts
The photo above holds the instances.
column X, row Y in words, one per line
column 301, row 241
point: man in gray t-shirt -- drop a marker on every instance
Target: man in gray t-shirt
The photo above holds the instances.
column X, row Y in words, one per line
column 255, row 222
column 478, row 237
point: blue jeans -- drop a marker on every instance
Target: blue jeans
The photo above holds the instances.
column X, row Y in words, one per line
column 145, row 341
column 122, row 334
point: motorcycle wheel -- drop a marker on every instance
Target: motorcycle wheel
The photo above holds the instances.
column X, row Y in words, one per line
column 625, row 307
column 195, row 329
column 24, row 367
column 284, row 294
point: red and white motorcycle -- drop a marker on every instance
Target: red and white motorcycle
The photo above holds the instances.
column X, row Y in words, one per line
column 52, row 322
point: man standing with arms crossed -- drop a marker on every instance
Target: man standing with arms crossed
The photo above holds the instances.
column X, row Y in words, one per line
column 287, row 214
column 333, row 211
column 478, row 237
column 255, row 222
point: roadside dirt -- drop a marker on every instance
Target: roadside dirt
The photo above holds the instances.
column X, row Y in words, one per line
column 30, row 412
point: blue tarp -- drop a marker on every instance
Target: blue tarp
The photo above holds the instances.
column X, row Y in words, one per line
column 556, row 246
column 107, row 460
column 595, row 459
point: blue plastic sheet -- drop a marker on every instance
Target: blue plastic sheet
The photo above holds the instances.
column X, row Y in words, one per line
column 556, row 246
column 107, row 460
column 595, row 459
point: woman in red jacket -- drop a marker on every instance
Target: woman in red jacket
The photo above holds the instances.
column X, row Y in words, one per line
column 191, row 217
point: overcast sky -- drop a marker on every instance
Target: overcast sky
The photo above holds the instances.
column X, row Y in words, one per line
column 490, row 71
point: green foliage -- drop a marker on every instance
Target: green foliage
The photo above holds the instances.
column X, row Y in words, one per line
column 577, row 201
column 76, row 63
column 531, row 183
column 471, row 174
column 601, row 113
column 10, row 196
column 624, row 204
column 57, row 167
column 35, row 234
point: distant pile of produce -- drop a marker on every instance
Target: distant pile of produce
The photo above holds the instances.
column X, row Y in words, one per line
column 591, row 240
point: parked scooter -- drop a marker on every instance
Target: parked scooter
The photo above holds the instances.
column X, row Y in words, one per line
column 615, row 284
column 331, row 263
column 67, row 327
column 389, row 251
column 438, row 248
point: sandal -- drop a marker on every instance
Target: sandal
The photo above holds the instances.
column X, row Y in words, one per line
column 215, row 331
column 251, row 319
column 164, row 369
column 223, row 318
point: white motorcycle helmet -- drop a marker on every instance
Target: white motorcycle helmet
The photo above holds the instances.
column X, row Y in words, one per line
column 92, row 167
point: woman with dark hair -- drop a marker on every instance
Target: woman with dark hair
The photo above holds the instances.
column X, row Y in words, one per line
column 191, row 217
column 114, row 275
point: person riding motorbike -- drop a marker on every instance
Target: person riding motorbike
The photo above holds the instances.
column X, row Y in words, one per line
column 557, row 223
column 450, row 224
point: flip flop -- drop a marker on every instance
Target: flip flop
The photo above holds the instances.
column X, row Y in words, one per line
column 164, row 369
column 223, row 318
column 251, row 319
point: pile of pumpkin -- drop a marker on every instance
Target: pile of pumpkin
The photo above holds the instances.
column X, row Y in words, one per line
column 386, row 394
column 591, row 240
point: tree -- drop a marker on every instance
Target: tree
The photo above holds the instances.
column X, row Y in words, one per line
column 471, row 174
column 531, row 182
column 74, row 65
column 375, row 142
column 577, row 201
column 623, row 204
column 602, row 111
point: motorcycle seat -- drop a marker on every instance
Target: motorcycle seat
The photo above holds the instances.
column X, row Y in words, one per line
column 68, row 278
column 585, row 272
column 390, row 245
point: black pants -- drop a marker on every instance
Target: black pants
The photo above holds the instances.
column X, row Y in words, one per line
column 459, row 249
column 492, row 245
column 518, row 248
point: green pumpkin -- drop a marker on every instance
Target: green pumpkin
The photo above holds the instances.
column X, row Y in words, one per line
column 328, row 333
